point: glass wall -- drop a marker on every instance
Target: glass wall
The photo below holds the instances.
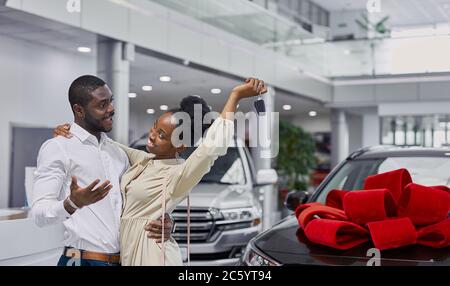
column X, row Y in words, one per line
column 298, row 30
column 426, row 131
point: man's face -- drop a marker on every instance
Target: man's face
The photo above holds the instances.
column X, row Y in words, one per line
column 99, row 111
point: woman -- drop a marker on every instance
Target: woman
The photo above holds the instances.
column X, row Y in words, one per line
column 157, row 181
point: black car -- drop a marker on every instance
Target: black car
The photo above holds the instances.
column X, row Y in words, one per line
column 285, row 243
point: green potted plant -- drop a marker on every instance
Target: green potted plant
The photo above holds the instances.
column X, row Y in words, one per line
column 296, row 156
column 379, row 28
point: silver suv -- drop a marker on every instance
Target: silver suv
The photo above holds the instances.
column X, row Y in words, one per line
column 225, row 209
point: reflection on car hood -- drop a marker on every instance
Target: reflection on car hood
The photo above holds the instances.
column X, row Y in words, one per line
column 220, row 196
column 287, row 244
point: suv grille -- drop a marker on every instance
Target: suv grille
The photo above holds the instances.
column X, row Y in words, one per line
column 203, row 226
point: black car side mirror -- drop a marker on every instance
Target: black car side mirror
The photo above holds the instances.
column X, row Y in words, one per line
column 295, row 198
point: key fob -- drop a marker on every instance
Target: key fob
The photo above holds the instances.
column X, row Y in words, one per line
column 260, row 106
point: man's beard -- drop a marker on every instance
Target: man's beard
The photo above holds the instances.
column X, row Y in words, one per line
column 95, row 124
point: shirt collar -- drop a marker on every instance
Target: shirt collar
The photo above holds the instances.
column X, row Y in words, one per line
column 84, row 135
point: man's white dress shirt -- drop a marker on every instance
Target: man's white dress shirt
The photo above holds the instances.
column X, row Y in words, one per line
column 94, row 227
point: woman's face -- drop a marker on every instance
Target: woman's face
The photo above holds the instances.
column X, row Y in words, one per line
column 159, row 139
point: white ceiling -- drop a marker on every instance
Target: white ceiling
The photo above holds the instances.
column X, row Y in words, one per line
column 28, row 27
column 145, row 70
column 401, row 12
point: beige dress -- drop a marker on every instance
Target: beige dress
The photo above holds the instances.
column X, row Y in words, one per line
column 142, row 188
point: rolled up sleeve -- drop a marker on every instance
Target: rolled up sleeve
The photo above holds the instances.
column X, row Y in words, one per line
column 48, row 193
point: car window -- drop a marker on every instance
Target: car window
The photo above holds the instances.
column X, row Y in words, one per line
column 429, row 171
column 424, row 171
column 227, row 169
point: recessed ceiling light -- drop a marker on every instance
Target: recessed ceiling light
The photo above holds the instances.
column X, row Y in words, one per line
column 132, row 95
column 147, row 88
column 84, row 49
column 287, row 107
column 165, row 78
column 216, row 91
column 150, row 111
column 313, row 113
column 163, row 107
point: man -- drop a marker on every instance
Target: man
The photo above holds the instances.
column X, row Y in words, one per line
column 90, row 214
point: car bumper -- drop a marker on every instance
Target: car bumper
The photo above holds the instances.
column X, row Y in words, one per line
column 225, row 250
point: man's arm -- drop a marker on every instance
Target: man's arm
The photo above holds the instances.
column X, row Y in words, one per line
column 154, row 228
column 48, row 206
column 50, row 203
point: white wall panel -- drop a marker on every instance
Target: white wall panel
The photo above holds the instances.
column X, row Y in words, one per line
column 106, row 18
column 148, row 31
column 265, row 66
column 397, row 92
column 287, row 76
column 359, row 93
column 414, row 108
column 242, row 61
column 54, row 9
column 215, row 53
column 391, row 92
column 184, row 43
column 434, row 91
column 17, row 4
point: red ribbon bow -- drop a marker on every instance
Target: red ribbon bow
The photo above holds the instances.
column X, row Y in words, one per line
column 391, row 211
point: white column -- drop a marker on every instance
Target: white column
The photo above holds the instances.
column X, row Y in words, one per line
column 339, row 137
column 371, row 129
column 268, row 193
column 113, row 66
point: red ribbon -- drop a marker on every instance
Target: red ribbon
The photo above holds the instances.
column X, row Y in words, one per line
column 391, row 212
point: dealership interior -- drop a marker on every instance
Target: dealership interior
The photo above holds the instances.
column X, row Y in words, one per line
column 344, row 77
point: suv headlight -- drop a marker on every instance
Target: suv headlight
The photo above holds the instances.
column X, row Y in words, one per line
column 238, row 218
column 253, row 257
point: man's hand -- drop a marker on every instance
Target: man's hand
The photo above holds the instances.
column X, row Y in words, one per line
column 154, row 229
column 82, row 197
column 62, row 130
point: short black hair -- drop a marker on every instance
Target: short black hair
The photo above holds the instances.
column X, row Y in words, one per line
column 81, row 89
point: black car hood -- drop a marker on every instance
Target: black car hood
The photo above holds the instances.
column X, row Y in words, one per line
column 287, row 244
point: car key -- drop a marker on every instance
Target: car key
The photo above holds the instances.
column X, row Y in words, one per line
column 260, row 106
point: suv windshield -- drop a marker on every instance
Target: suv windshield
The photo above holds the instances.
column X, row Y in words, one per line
column 227, row 169
column 429, row 171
